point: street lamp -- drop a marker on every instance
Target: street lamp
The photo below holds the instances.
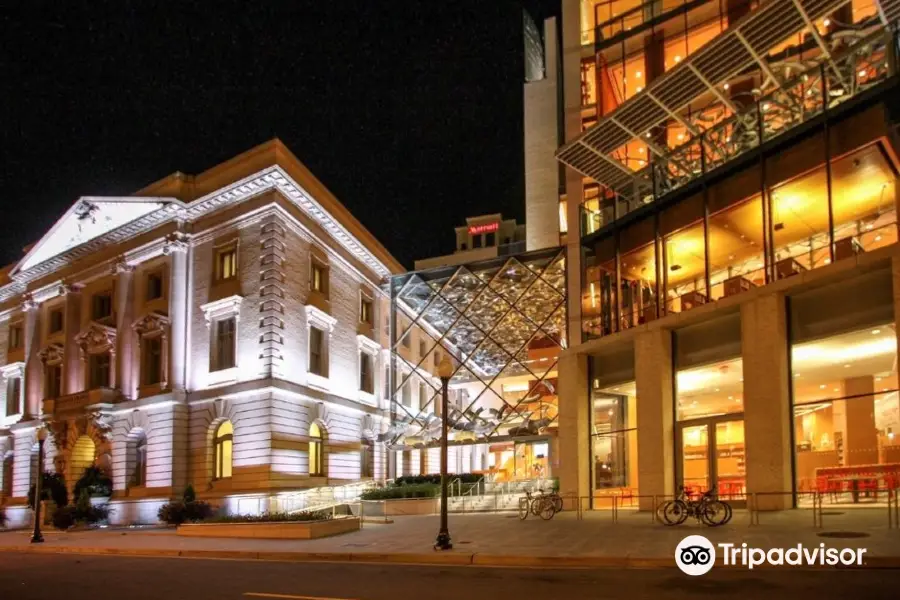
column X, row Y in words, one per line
column 36, row 537
column 445, row 371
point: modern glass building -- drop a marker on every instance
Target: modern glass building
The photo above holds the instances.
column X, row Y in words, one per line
column 729, row 185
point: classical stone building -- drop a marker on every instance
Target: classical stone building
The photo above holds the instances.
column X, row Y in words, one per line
column 224, row 330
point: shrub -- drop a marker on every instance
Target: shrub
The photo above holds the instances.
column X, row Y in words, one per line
column 2, row 517
column 189, row 494
column 95, row 481
column 178, row 512
column 64, row 517
column 171, row 513
column 435, row 478
column 53, row 487
column 275, row 517
column 85, row 512
column 422, row 490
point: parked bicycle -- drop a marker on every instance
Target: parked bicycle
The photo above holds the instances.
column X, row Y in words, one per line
column 707, row 509
column 540, row 505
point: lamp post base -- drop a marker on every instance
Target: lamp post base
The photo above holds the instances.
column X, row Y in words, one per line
column 443, row 541
column 37, row 539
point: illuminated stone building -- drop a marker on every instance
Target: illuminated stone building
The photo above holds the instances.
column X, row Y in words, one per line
column 224, row 330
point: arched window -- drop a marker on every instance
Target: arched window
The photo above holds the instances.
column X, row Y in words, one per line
column 316, row 451
column 224, row 443
column 139, row 475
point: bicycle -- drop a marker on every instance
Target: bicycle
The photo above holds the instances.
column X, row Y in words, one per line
column 554, row 496
column 708, row 509
column 541, row 505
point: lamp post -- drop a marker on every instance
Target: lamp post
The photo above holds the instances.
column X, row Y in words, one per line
column 36, row 537
column 445, row 370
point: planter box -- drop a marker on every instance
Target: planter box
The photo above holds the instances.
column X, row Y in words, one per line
column 400, row 506
column 282, row 530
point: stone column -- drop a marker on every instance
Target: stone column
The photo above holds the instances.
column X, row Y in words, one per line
column 860, row 436
column 767, row 412
column 73, row 377
column 574, row 424
column 654, row 383
column 177, row 249
column 34, row 370
column 127, row 369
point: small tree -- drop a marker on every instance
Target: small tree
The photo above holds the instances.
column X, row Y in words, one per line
column 95, row 481
column 189, row 494
column 53, row 487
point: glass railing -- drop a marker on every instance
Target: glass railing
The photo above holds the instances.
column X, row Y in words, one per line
column 635, row 17
column 860, row 67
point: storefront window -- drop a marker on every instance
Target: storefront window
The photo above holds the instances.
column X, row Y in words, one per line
column 599, row 296
column 847, row 415
column 614, row 441
column 710, row 390
column 638, row 268
column 684, row 255
column 736, row 256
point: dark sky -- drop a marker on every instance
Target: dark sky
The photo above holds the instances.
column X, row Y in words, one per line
column 410, row 112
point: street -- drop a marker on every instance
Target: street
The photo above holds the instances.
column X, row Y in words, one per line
column 52, row 576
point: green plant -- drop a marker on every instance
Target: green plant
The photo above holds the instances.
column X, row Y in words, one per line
column 422, row 490
column 64, row 517
column 2, row 517
column 189, row 494
column 171, row 513
column 53, row 487
column 275, row 517
column 88, row 513
column 95, row 481
column 178, row 512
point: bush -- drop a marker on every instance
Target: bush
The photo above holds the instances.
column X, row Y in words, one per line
column 2, row 517
column 275, row 517
column 95, row 481
column 189, row 494
column 64, row 517
column 178, row 512
column 53, row 487
column 422, row 490
column 435, row 478
column 85, row 512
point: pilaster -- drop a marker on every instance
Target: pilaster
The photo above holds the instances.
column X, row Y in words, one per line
column 655, row 415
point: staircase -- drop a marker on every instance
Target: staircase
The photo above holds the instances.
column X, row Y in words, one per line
column 493, row 497
column 319, row 498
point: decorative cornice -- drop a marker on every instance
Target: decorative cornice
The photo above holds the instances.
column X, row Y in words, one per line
column 367, row 345
column 52, row 354
column 96, row 338
column 12, row 370
column 151, row 323
column 176, row 242
column 318, row 317
column 224, row 308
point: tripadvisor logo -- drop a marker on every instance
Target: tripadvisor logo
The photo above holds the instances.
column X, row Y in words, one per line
column 696, row 555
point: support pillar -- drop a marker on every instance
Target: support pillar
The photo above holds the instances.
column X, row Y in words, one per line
column 767, row 411
column 127, row 368
column 654, row 385
column 73, row 376
column 177, row 249
column 574, row 426
column 860, row 435
column 33, row 368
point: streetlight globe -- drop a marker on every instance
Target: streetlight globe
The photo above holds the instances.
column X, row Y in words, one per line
column 445, row 368
column 42, row 433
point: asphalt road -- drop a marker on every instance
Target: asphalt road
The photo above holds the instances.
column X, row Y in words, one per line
column 49, row 576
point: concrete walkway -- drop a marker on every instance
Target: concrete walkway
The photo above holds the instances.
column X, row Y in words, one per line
column 501, row 539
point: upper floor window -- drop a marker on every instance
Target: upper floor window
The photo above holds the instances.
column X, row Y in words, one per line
column 317, row 362
column 476, row 241
column 366, row 373
column 99, row 370
column 490, row 239
column 101, row 306
column 365, row 311
column 13, row 396
column 226, row 262
column 406, row 395
column 56, row 320
column 154, row 286
column 151, row 360
column 319, row 277
column 16, row 337
column 223, row 346
column 53, row 381
column 139, row 475
column 423, row 348
column 316, row 450
column 222, row 450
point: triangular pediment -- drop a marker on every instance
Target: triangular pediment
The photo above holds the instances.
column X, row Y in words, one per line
column 89, row 218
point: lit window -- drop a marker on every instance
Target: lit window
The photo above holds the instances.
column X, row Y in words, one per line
column 365, row 311
column 139, row 474
column 56, row 321
column 13, row 396
column 316, row 451
column 99, row 370
column 366, row 378
column 154, row 286
column 226, row 263
column 224, row 444
column 224, row 345
column 151, row 354
column 319, row 278
column 317, row 351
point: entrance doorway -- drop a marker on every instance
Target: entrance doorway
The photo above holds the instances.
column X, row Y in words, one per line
column 711, row 455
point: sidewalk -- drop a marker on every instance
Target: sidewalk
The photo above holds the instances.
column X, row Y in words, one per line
column 499, row 540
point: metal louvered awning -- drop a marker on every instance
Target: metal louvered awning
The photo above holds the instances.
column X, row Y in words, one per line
column 735, row 50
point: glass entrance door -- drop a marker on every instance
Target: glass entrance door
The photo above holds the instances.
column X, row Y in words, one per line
column 712, row 457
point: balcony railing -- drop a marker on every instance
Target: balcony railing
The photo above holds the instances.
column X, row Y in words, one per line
column 80, row 400
column 867, row 63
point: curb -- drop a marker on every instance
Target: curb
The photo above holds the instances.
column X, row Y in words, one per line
column 430, row 559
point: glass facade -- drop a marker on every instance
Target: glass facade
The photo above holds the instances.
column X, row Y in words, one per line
column 502, row 322
column 614, row 468
column 732, row 238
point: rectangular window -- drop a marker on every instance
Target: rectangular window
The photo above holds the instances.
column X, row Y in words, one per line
column 366, row 379
column 319, row 278
column 13, row 396
column 101, row 306
column 407, row 394
column 476, row 241
column 424, row 396
column 54, row 381
column 154, row 286
column 224, row 355
column 423, row 348
column 152, row 360
column 99, row 370
column 56, row 321
column 317, row 351
column 226, row 263
column 490, row 239
column 365, row 311
column 16, row 337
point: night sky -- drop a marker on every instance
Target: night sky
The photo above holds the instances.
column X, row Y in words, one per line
column 409, row 112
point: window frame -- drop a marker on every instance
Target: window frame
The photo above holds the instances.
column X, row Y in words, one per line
column 49, row 371
column 221, row 272
column 153, row 276
column 218, row 354
column 321, row 368
column 316, row 452
column 13, row 396
column 94, row 367
column 54, row 314
column 146, row 343
column 220, row 440
column 97, row 301
column 16, row 337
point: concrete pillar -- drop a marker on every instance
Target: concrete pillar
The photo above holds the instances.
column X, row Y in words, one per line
column 541, row 110
column 73, row 376
column 767, row 413
column 860, row 436
column 127, row 369
column 574, row 426
column 654, row 384
column 178, row 249
column 33, row 368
